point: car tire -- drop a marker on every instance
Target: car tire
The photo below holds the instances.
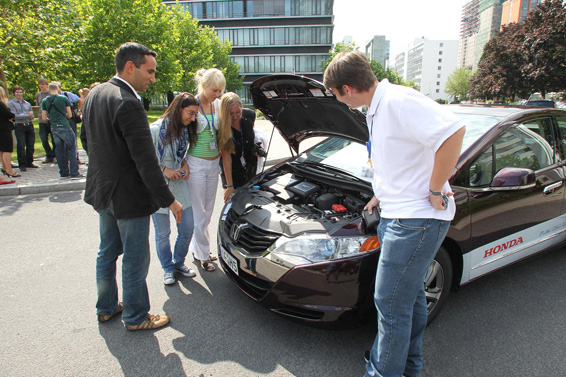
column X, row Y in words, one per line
column 438, row 283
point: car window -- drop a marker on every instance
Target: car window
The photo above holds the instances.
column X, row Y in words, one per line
column 518, row 147
column 544, row 148
column 561, row 120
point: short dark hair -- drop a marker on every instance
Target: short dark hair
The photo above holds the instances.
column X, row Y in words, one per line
column 350, row 68
column 17, row 87
column 131, row 52
column 42, row 81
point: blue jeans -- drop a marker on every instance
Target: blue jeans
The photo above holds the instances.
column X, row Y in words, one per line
column 44, row 132
column 66, row 151
column 162, row 225
column 408, row 247
column 129, row 237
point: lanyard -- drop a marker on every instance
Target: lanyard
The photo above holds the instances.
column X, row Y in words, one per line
column 241, row 139
column 205, row 117
column 368, row 143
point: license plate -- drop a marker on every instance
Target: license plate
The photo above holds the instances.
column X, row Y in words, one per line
column 230, row 260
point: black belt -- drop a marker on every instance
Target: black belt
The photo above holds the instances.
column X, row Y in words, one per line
column 24, row 124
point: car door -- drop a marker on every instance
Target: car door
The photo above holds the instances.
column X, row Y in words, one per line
column 560, row 122
column 509, row 224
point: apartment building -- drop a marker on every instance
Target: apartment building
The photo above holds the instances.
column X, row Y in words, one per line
column 430, row 63
column 378, row 49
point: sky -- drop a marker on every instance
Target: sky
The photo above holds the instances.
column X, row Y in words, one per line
column 401, row 21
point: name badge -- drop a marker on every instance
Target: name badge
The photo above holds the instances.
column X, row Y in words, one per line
column 213, row 145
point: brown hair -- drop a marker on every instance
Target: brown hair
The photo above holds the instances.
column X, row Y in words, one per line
column 350, row 68
column 173, row 112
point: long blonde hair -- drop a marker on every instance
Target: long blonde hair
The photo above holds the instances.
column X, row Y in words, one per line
column 225, row 141
column 208, row 77
column 3, row 95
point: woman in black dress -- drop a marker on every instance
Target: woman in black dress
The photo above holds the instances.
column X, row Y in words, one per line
column 6, row 140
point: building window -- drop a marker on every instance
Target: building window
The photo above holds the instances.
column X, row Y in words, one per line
column 437, row 90
column 439, row 52
column 439, row 68
column 438, row 83
column 438, row 76
column 440, row 60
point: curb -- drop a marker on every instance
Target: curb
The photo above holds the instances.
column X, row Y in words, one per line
column 79, row 185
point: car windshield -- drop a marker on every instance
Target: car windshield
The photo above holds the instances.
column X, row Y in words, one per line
column 352, row 157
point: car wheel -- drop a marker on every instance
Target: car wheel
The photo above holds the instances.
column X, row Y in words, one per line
column 438, row 283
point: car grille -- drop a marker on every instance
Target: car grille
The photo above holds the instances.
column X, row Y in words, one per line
column 251, row 239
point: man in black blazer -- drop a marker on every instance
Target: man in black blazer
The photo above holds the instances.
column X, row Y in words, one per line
column 125, row 185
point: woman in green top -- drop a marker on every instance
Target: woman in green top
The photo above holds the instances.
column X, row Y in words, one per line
column 203, row 160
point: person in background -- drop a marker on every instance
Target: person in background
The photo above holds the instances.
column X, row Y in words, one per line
column 172, row 134
column 74, row 100
column 203, row 159
column 6, row 140
column 57, row 109
column 236, row 143
column 25, row 133
column 414, row 146
column 124, row 185
column 82, row 94
column 44, row 127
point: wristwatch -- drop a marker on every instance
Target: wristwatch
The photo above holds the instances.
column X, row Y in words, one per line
column 227, row 186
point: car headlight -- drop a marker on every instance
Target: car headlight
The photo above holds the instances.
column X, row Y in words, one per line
column 317, row 248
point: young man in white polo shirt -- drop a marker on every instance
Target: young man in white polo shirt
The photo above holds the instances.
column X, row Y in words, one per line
column 415, row 145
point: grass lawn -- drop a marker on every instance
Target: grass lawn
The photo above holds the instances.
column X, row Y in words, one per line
column 152, row 116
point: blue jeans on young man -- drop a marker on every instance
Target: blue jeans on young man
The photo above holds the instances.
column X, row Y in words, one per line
column 25, row 140
column 161, row 221
column 44, row 132
column 130, row 238
column 408, row 247
column 66, row 151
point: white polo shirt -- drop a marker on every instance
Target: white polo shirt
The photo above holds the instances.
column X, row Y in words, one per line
column 408, row 128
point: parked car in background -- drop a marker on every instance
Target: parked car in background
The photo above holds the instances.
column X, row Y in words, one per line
column 540, row 103
column 294, row 238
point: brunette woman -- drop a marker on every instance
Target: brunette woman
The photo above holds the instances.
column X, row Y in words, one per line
column 172, row 134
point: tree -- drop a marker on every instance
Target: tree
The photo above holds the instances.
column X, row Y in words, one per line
column 544, row 47
column 201, row 48
column 110, row 23
column 499, row 72
column 458, row 83
column 36, row 40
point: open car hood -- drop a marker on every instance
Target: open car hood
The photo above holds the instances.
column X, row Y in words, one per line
column 300, row 107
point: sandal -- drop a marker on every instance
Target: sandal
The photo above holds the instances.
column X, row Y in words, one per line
column 207, row 266
column 213, row 258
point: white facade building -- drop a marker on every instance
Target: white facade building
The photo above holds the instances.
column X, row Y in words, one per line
column 429, row 63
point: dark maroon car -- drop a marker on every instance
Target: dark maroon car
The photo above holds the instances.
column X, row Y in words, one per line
column 294, row 238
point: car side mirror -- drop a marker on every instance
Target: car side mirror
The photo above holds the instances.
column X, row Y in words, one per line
column 514, row 177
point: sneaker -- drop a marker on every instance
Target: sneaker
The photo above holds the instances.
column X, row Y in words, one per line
column 75, row 177
column 47, row 161
column 106, row 318
column 169, row 278
column 185, row 271
column 152, row 322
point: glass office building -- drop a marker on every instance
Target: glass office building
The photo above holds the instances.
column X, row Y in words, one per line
column 270, row 36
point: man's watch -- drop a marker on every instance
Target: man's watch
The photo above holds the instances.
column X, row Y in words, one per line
column 227, row 186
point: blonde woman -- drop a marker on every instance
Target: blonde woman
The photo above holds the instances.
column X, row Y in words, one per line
column 236, row 142
column 6, row 140
column 203, row 159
